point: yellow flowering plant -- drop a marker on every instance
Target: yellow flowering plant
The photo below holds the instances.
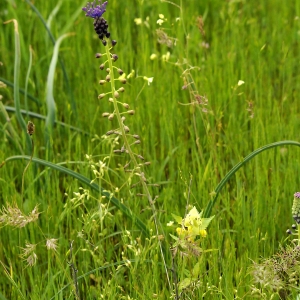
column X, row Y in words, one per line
column 193, row 225
column 190, row 231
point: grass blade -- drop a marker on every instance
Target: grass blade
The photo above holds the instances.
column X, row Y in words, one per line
column 51, row 106
column 119, row 263
column 22, row 91
column 41, row 117
column 73, row 104
column 8, row 275
column 11, row 133
column 16, row 83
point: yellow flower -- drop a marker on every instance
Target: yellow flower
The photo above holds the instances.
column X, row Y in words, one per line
column 203, row 233
column 192, row 225
column 181, row 231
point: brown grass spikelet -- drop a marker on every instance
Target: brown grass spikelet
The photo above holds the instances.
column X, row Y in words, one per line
column 200, row 25
column 29, row 255
column 13, row 216
column 30, row 128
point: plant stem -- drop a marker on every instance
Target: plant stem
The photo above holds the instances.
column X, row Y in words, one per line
column 132, row 157
column 22, row 192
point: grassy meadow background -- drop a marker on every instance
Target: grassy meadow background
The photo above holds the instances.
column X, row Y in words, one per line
column 252, row 41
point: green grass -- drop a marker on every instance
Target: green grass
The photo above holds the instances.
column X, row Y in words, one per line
column 254, row 42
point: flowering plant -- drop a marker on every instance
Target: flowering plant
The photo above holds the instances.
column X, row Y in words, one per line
column 193, row 225
column 192, row 229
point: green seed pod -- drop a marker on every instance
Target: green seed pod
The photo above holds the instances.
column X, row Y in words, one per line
column 110, row 132
column 114, row 57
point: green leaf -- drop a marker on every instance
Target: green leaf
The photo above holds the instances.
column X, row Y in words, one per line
column 205, row 222
column 184, row 283
column 177, row 219
column 196, row 270
column 174, row 237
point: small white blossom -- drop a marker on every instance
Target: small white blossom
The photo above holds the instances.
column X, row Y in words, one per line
column 159, row 22
column 138, row 21
column 170, row 223
column 150, row 79
column 153, row 56
column 166, row 56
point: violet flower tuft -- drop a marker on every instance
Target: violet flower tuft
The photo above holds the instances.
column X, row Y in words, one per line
column 100, row 24
column 95, row 11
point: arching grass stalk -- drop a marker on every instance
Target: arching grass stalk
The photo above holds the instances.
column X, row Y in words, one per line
column 101, row 27
column 212, row 202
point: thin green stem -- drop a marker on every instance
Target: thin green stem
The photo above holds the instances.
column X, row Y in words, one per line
column 23, row 176
column 27, row 80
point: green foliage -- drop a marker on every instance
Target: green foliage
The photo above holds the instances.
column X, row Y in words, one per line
column 224, row 84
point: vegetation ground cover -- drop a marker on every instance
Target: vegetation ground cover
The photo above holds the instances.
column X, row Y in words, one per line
column 213, row 81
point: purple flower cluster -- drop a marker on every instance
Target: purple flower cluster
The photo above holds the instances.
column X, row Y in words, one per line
column 95, row 11
column 297, row 195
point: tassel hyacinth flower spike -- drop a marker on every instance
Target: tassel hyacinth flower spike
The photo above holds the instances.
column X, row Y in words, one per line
column 100, row 24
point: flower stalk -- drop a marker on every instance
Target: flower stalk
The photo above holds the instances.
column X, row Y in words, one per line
column 101, row 27
column 136, row 166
